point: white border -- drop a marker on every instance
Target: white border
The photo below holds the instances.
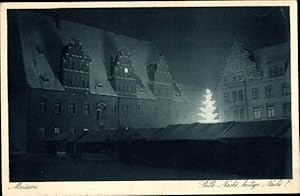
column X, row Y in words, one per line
column 145, row 187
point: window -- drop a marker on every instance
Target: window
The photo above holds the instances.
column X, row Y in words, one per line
column 241, row 113
column 270, row 111
column 287, row 109
column 42, row 133
column 240, row 77
column 234, row 78
column 43, row 106
column 236, row 114
column 251, row 76
column 57, row 108
column 126, row 110
column 115, row 110
column 156, row 112
column 225, row 79
column 227, row 115
column 275, row 71
column 254, row 93
column 56, row 130
column 268, row 91
column 226, row 97
column 234, row 96
column 72, row 108
column 285, row 89
column 241, row 97
column 257, row 113
column 72, row 130
column 138, row 111
column 101, row 111
column 81, row 66
column 82, row 82
column 86, row 108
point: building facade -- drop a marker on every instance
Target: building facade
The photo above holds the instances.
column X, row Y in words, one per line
column 67, row 78
column 255, row 85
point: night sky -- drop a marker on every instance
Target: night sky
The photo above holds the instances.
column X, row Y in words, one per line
column 195, row 41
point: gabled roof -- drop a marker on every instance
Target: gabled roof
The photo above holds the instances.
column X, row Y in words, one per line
column 40, row 33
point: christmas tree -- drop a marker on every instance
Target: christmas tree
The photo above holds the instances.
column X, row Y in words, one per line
column 207, row 113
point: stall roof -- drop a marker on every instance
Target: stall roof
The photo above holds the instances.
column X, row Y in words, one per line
column 143, row 133
column 257, row 129
column 195, row 131
column 97, row 136
column 57, row 138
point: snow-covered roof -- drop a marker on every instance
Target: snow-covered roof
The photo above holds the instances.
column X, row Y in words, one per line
column 274, row 53
column 42, row 42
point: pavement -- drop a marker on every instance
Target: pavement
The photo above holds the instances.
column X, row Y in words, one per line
column 51, row 168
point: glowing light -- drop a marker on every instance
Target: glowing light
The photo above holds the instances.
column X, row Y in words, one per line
column 126, row 70
column 207, row 111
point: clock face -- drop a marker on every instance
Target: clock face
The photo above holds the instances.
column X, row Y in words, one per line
column 126, row 70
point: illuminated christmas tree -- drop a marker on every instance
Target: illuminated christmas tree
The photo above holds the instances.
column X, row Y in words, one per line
column 207, row 111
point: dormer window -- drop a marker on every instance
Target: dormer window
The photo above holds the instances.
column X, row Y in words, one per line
column 44, row 78
column 39, row 50
column 99, row 84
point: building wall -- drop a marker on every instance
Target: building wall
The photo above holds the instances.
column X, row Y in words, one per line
column 265, row 88
column 72, row 86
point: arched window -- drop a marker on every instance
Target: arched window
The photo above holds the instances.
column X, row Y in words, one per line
column 101, row 110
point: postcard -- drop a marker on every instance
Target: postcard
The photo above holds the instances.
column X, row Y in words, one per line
column 149, row 98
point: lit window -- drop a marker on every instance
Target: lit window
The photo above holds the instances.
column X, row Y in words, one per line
column 270, row 111
column 57, row 108
column 257, row 113
column 56, row 130
column 251, row 76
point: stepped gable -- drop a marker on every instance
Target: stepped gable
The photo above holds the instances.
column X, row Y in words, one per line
column 43, row 42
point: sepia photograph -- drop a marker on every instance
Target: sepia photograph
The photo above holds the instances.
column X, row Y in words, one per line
column 111, row 94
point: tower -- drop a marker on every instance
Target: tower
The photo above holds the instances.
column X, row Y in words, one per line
column 122, row 74
column 75, row 67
